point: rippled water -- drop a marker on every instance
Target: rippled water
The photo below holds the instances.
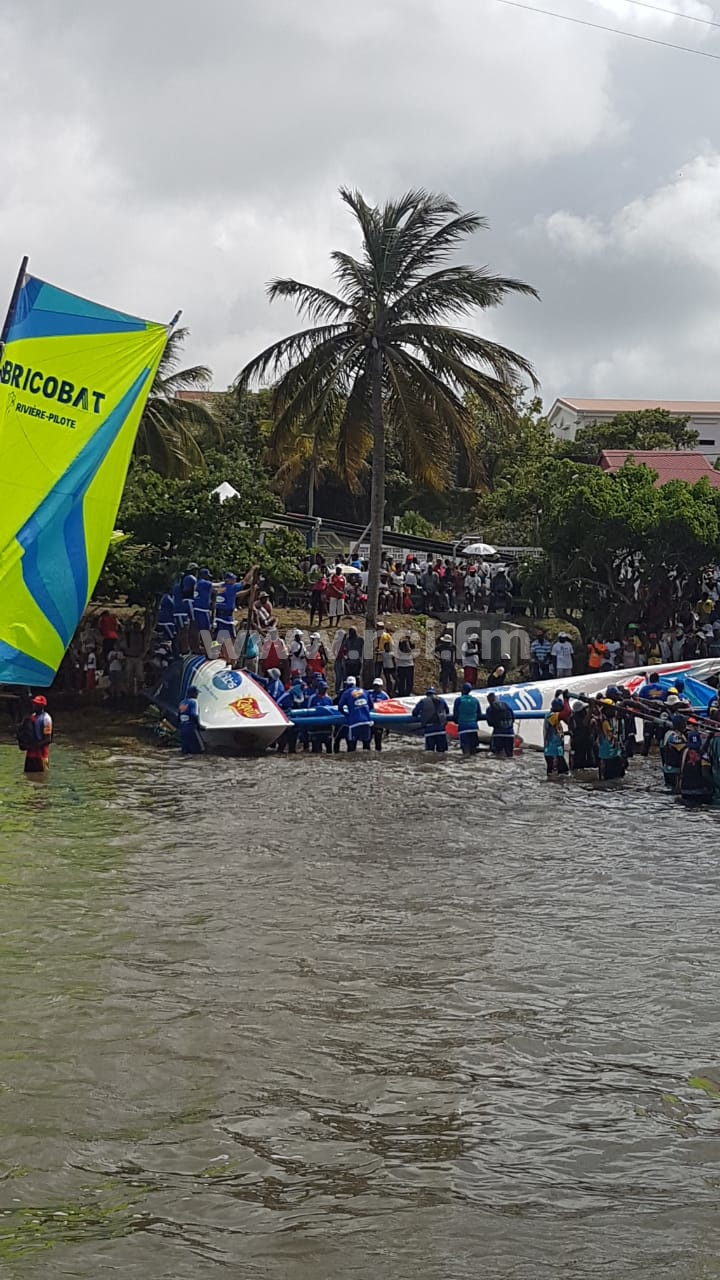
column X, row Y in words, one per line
column 367, row 1017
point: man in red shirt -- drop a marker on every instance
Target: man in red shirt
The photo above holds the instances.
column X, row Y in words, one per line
column 109, row 631
column 337, row 590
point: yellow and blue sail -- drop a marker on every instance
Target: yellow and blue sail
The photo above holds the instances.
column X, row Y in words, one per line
column 74, row 378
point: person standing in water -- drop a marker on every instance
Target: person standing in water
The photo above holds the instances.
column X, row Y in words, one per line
column 35, row 736
column 191, row 743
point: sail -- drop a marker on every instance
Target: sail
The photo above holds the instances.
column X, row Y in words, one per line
column 74, row 379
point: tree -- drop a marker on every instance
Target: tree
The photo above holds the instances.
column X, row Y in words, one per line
column 618, row 547
column 513, row 459
column 381, row 356
column 635, row 429
column 171, row 522
column 173, row 431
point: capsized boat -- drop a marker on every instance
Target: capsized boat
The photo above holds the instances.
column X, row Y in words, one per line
column 236, row 713
column 532, row 701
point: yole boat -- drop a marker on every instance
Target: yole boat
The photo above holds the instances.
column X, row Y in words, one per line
column 531, row 701
column 237, row 715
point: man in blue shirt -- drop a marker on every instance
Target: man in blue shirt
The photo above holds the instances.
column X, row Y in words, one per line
column 273, row 684
column 322, row 704
column 191, row 743
column 378, row 694
column 166, row 617
column 292, row 700
column 203, row 600
column 653, row 730
column 354, row 703
column 540, row 651
column 225, row 602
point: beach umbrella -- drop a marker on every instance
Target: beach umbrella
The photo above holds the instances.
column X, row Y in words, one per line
column 478, row 549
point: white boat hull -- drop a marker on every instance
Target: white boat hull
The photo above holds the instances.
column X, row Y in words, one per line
column 235, row 711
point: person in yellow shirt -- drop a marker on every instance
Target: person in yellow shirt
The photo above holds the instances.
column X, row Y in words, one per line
column 383, row 637
column 704, row 607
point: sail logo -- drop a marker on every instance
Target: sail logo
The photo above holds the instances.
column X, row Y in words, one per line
column 62, row 390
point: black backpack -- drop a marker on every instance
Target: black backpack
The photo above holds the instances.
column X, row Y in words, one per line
column 26, row 739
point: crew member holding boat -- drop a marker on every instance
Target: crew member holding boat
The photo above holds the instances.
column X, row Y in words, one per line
column 191, row 743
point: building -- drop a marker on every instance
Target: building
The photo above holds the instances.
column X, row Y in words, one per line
column 569, row 413
column 670, row 464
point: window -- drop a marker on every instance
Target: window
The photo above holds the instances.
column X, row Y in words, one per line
column 712, row 442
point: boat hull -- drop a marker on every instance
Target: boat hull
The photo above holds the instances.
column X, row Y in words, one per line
column 533, row 699
column 236, row 713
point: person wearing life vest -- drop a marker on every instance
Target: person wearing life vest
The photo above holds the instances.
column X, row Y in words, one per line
column 35, row 735
column 672, row 749
column 611, row 760
column 320, row 702
column 597, row 654
column 467, row 713
column 433, row 713
column 191, row 743
column 499, row 716
column 553, row 739
column 378, row 694
column 354, row 704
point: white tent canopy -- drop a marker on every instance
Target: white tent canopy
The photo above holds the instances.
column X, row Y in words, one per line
column 225, row 491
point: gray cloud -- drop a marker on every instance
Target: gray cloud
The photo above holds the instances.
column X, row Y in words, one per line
column 164, row 154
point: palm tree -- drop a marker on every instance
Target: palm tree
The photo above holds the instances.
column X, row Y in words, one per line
column 172, row 430
column 380, row 355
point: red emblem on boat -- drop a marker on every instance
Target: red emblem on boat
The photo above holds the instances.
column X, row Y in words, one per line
column 248, row 708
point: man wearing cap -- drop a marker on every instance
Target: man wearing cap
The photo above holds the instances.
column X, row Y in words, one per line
column 471, row 659
column 378, row 694
column 540, row 651
column 562, row 653
column 40, row 727
column 446, row 655
column 262, row 613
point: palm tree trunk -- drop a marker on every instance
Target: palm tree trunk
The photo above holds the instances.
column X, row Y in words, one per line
column 377, row 515
column 311, row 490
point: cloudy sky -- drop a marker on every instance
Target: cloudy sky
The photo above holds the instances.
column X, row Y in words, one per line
column 169, row 154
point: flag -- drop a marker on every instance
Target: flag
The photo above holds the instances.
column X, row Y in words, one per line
column 74, row 379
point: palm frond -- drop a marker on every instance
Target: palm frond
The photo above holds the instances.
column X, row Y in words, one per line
column 316, row 304
column 280, row 356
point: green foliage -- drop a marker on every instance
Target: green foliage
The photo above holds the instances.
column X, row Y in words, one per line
column 173, row 432
column 172, row 522
column 514, row 455
column 603, row 533
column 413, row 523
column 639, row 429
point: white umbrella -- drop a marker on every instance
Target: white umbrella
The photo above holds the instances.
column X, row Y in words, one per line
column 478, row 549
column 347, row 569
column 225, row 491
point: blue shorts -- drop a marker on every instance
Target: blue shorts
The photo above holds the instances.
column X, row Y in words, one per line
column 202, row 619
column 225, row 627
column 436, row 741
column 182, row 620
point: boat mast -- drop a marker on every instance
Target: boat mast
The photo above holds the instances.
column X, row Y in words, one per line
column 13, row 303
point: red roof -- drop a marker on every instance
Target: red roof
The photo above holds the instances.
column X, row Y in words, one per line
column 670, row 464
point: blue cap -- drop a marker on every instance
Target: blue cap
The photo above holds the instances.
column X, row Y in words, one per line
column 467, row 687
column 430, row 689
column 557, row 704
column 322, row 684
column 204, row 573
column 230, row 577
column 297, row 680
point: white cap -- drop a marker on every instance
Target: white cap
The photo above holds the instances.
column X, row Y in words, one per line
column 350, row 681
column 315, row 635
column 378, row 681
